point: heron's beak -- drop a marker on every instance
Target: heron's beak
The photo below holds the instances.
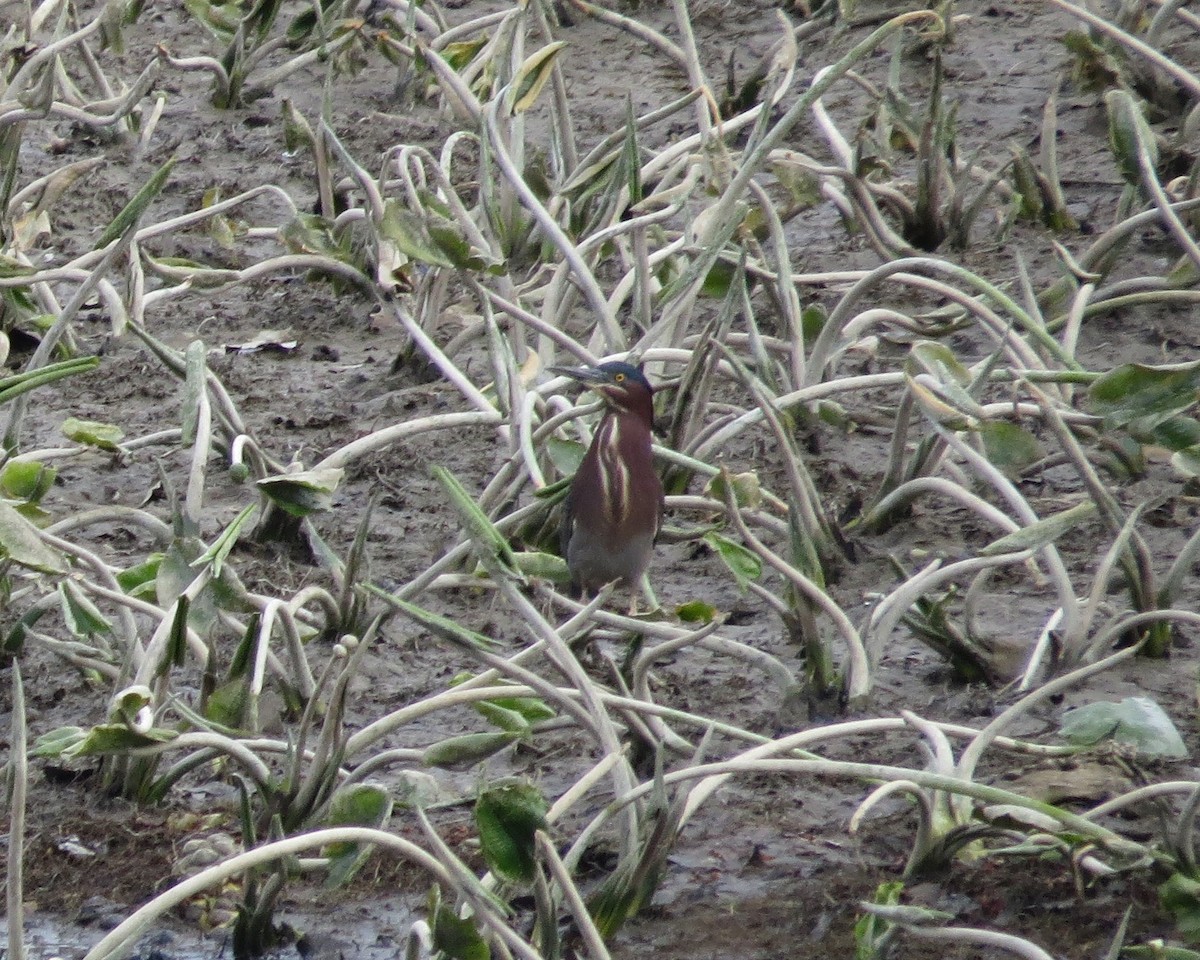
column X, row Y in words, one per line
column 590, row 376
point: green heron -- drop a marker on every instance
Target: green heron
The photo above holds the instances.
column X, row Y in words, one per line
column 614, row 508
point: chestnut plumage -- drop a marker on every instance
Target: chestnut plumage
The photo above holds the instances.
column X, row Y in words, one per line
column 614, row 507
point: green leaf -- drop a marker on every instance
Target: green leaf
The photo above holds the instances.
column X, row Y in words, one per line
column 54, row 744
column 1009, row 446
column 532, row 76
column 26, row 480
column 1187, row 461
column 441, row 626
column 305, row 492
column 531, row 708
column 1135, row 720
column 14, row 386
column 1136, row 392
column 220, row 548
column 744, row 564
column 116, row 738
column 461, row 53
column 135, row 579
column 510, row 721
column 507, row 818
column 566, row 455
column 543, row 566
column 697, row 611
column 1180, row 895
column 226, row 705
column 1042, row 532
column 457, row 937
column 83, row 617
column 91, row 433
column 20, row 542
column 409, row 231
column 359, row 805
column 467, row 749
column 194, row 386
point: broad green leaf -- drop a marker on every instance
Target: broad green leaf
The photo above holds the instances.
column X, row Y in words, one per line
column 1139, row 392
column 408, row 230
column 134, row 580
column 26, row 480
column 1135, row 720
column 531, row 708
column 116, row 738
column 510, row 721
column 566, row 455
column 939, row 361
column 1177, row 433
column 1044, row 531
column 457, row 937
column 461, row 53
column 21, row 543
column 1180, row 895
column 532, row 76
column 696, row 611
column 55, row 743
column 360, row 805
column 507, row 818
column 103, row 436
column 742, row 563
column 304, row 492
column 226, row 705
column 1009, row 446
column 83, row 617
column 467, row 749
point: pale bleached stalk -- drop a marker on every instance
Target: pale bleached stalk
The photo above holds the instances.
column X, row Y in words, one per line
column 584, row 925
column 461, row 31
column 389, row 436
column 552, row 231
column 858, row 664
column 1152, row 791
column 21, row 80
column 691, row 63
column 971, row 756
column 634, row 28
column 889, row 611
column 820, row 391
column 986, row 471
column 910, row 490
column 1176, row 227
column 17, row 779
column 121, row 938
column 126, row 516
column 1010, row 943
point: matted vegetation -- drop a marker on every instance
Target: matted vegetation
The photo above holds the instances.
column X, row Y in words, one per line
column 511, row 239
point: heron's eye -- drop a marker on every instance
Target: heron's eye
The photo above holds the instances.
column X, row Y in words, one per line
column 619, row 378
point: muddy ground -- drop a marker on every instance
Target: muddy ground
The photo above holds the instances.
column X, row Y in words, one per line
column 768, row 870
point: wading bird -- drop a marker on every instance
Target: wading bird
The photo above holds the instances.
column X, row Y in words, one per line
column 614, row 508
